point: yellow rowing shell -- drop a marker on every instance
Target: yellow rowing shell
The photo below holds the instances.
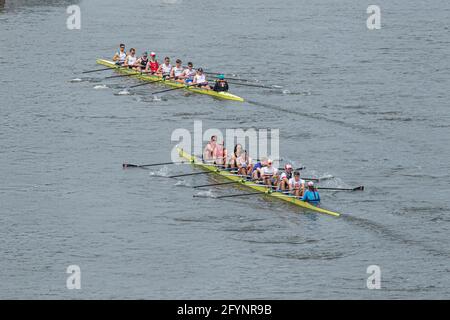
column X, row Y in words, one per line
column 264, row 190
column 147, row 77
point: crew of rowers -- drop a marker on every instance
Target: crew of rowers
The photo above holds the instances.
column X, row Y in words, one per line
column 187, row 75
column 285, row 180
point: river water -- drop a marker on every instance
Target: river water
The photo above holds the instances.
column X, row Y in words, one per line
column 367, row 107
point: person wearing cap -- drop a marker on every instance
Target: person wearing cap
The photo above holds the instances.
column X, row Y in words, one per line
column 142, row 62
column 120, row 55
column 177, row 71
column 284, row 177
column 220, row 85
column 188, row 73
column 165, row 69
column 200, row 79
column 153, row 64
column 311, row 195
column 296, row 185
column 131, row 59
column 269, row 174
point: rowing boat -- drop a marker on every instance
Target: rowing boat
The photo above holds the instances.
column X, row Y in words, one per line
column 148, row 77
column 250, row 184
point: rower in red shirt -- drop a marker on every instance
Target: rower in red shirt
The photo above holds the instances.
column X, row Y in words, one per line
column 152, row 65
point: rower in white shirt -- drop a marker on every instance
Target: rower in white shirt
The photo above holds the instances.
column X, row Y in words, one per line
column 131, row 59
column 296, row 185
column 165, row 68
column 200, row 80
column 269, row 174
column 177, row 72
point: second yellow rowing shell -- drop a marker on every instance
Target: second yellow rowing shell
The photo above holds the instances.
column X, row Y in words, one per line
column 148, row 77
column 250, row 184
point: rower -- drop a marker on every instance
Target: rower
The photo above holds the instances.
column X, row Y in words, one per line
column 165, row 69
column 120, row 56
column 220, row 155
column 256, row 171
column 311, row 195
column 142, row 62
column 296, row 185
column 200, row 79
column 284, row 177
column 131, row 59
column 244, row 164
column 152, row 65
column 221, row 85
column 269, row 174
column 235, row 155
column 210, row 149
column 177, row 71
column 188, row 73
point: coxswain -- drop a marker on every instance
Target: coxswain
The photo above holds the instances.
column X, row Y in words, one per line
column 131, row 59
column 153, row 64
column 284, row 177
column 269, row 174
column 296, row 185
column 177, row 71
column 311, row 195
column 221, row 85
column 188, row 73
column 165, row 69
column 120, row 56
column 142, row 62
column 200, row 79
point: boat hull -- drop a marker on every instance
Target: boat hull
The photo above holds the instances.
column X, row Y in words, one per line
column 226, row 174
column 146, row 77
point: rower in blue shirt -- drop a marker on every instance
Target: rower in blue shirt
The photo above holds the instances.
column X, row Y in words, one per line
column 311, row 195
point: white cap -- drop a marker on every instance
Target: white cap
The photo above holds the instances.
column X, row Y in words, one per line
column 269, row 160
column 152, row 53
column 310, row 184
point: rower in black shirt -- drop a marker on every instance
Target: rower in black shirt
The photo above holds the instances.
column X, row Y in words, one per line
column 221, row 84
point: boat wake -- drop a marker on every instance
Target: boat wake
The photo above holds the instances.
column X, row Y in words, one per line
column 182, row 183
column 205, row 194
column 124, row 92
column 163, row 172
column 100, row 86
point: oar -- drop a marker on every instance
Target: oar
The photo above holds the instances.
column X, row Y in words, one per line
column 97, row 70
column 360, row 188
column 172, row 89
column 296, row 169
column 238, row 195
column 130, row 165
column 229, row 78
column 191, row 174
column 217, row 184
column 253, row 85
column 129, row 74
column 145, row 83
